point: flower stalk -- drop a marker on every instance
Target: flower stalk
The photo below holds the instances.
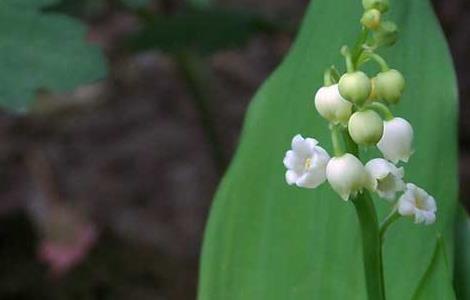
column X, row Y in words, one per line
column 371, row 246
column 382, row 109
column 336, row 140
column 371, row 238
column 379, row 60
column 327, row 80
column 349, row 61
column 389, row 220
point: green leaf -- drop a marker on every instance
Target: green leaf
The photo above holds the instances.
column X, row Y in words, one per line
column 42, row 50
column 28, row 4
column 202, row 31
column 462, row 256
column 200, row 3
column 437, row 281
column 88, row 9
column 136, row 3
column 268, row 240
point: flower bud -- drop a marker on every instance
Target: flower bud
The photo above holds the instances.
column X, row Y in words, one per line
column 371, row 18
column 386, row 34
column 347, row 175
column 365, row 127
column 355, row 87
column 331, row 106
column 396, row 140
column 389, row 86
column 381, row 5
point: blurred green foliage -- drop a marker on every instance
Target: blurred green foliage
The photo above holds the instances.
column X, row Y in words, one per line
column 28, row 4
column 136, row 3
column 200, row 31
column 42, row 51
column 462, row 256
column 436, row 282
column 200, row 3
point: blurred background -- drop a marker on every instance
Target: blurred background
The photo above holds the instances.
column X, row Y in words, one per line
column 105, row 191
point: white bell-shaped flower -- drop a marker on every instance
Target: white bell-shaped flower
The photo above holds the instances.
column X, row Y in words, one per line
column 387, row 178
column 306, row 163
column 396, row 141
column 331, row 106
column 347, row 175
column 416, row 202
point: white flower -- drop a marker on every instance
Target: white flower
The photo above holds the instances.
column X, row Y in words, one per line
column 396, row 141
column 416, row 202
column 388, row 179
column 331, row 106
column 306, row 163
column 347, row 175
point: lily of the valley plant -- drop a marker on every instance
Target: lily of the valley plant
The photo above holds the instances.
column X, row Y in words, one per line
column 357, row 108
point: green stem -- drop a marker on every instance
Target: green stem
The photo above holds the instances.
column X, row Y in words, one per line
column 380, row 61
column 331, row 76
column 365, row 209
column 349, row 61
column 327, row 79
column 370, row 236
column 196, row 78
column 389, row 220
column 334, row 74
column 351, row 146
column 336, row 140
column 371, row 246
column 382, row 109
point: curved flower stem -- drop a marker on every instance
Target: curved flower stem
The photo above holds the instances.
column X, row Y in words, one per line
column 389, row 220
column 349, row 61
column 327, row 78
column 371, row 246
column 382, row 109
column 334, row 74
column 331, row 76
column 380, row 61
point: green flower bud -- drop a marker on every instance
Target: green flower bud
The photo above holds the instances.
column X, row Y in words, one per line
column 381, row 5
column 371, row 18
column 366, row 127
column 355, row 87
column 389, row 86
column 386, row 34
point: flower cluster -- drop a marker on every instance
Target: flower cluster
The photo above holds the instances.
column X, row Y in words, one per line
column 358, row 110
